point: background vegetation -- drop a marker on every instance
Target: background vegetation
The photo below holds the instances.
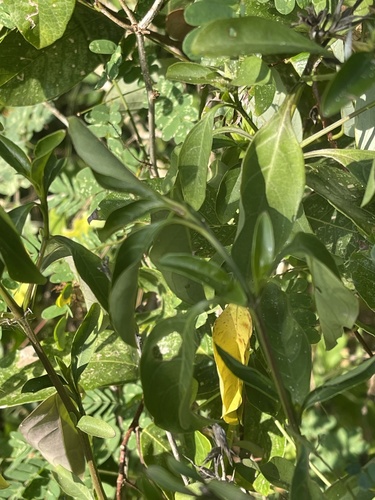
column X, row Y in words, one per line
column 159, row 161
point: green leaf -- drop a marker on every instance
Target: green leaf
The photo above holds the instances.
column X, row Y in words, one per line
column 50, row 430
column 337, row 306
column 19, row 215
column 291, row 348
column 370, row 187
column 71, row 484
column 285, row 7
column 167, row 374
column 245, row 36
column 122, row 217
column 154, row 445
column 15, row 157
column 193, row 161
column 345, row 193
column 3, row 484
column 96, row 427
column 346, row 157
column 362, row 270
column 252, row 71
column 263, row 251
column 205, row 272
column 279, row 472
column 41, row 22
column 262, row 393
column 19, row 265
column 166, row 480
column 302, row 485
column 103, row 47
column 110, row 172
column 24, row 80
column 90, row 268
column 354, row 79
column 45, row 168
column 342, row 383
column 194, row 74
column 223, row 490
column 273, row 181
column 172, row 239
column 209, row 10
column 39, row 383
column 84, row 341
column 228, row 195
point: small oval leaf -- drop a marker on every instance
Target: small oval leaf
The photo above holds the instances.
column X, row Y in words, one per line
column 96, row 427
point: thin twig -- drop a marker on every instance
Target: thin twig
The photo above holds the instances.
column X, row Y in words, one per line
column 57, row 113
column 101, row 8
column 151, row 14
column 121, row 478
column 363, row 343
column 173, row 445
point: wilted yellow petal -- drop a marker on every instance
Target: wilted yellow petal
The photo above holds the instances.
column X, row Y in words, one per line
column 232, row 331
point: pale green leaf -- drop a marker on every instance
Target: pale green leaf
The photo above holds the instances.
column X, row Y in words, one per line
column 96, row 427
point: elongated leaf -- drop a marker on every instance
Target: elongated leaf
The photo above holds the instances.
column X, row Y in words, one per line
column 41, row 22
column 245, row 36
column 343, row 156
column 46, row 167
column 96, row 427
column 167, row 374
column 345, row 193
column 90, row 268
column 302, row 485
column 337, row 306
column 370, row 187
column 50, row 430
column 193, row 73
column 232, row 332
column 120, row 218
column 24, row 80
column 273, row 181
column 205, row 272
column 289, row 343
column 342, row 383
column 228, row 196
column 262, row 393
column 166, row 480
column 15, row 157
column 193, row 161
column 263, row 251
column 362, row 269
column 20, row 266
column 354, row 79
column 364, row 130
column 19, row 215
column 84, row 341
column 72, row 484
column 110, row 171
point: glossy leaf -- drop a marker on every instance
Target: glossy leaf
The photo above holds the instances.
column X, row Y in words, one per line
column 252, row 71
column 167, row 374
column 42, row 22
column 84, row 341
column 205, row 272
column 19, row 215
column 273, row 181
column 261, row 393
column 245, row 36
column 18, row 263
column 370, row 187
column 110, row 172
column 355, row 78
column 263, row 251
column 232, row 332
column 289, row 343
column 90, row 268
column 96, row 427
column 24, row 80
column 342, row 383
column 193, row 161
column 50, row 430
column 15, row 157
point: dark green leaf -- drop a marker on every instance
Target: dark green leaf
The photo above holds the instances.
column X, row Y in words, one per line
column 354, row 79
column 19, row 265
column 362, row 270
column 245, row 36
column 193, row 161
column 228, row 195
column 29, row 75
column 263, row 251
column 166, row 480
column 193, row 73
column 338, row 385
column 90, row 268
column 224, row 491
column 291, row 348
column 15, row 157
column 111, row 172
column 84, row 341
column 205, row 272
column 302, row 485
column 38, row 383
column 19, row 215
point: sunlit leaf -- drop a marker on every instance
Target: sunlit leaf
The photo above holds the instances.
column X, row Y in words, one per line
column 96, row 427
column 232, row 332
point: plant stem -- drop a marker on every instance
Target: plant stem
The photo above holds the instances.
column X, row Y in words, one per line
column 337, row 124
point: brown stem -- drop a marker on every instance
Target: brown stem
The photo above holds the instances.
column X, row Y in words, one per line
column 363, row 343
column 121, row 478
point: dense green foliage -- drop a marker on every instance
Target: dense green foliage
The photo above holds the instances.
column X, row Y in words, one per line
column 158, row 161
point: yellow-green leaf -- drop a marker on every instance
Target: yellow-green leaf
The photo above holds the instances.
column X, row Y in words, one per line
column 232, row 331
